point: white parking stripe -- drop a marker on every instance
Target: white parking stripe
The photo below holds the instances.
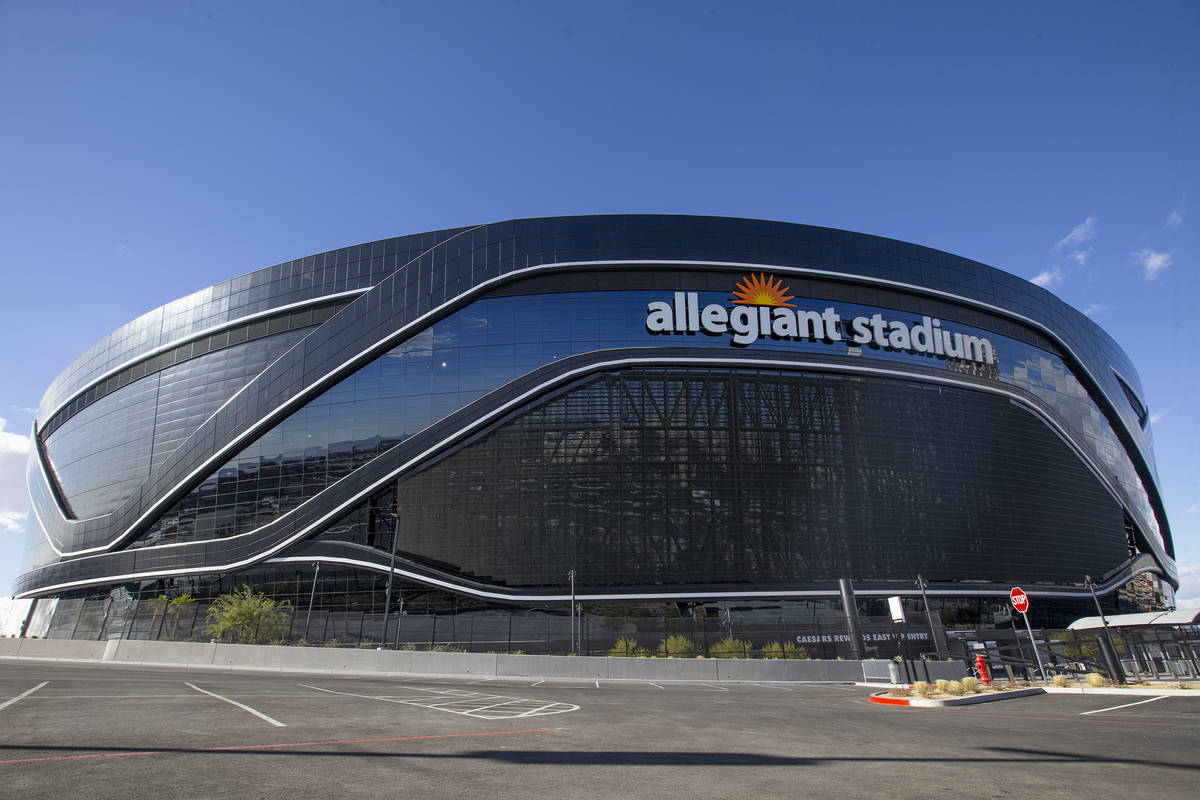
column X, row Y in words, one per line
column 1127, row 705
column 655, row 685
column 715, row 688
column 242, row 706
column 22, row 695
column 467, row 704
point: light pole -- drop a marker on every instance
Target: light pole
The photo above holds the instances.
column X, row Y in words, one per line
column 387, row 601
column 312, row 596
column 937, row 645
column 571, row 575
column 1114, row 663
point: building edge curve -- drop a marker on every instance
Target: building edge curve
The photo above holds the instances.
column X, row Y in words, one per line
column 306, row 328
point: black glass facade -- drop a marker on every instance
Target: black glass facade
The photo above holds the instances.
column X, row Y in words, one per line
column 508, row 383
column 671, row 477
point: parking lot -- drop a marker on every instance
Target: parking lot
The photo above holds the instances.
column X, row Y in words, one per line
column 140, row 732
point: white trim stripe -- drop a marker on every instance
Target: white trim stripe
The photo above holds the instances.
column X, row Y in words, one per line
column 223, row 454
column 209, row 331
column 565, row 377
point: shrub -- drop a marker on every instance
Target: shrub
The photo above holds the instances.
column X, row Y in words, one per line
column 247, row 616
column 784, row 650
column 1095, row 680
column 900, row 691
column 943, row 685
column 334, row 642
column 970, row 684
column 955, row 688
column 730, row 647
column 1059, row 680
column 628, row 647
column 923, row 688
column 677, row 646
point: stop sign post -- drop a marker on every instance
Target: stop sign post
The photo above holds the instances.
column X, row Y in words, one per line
column 1020, row 601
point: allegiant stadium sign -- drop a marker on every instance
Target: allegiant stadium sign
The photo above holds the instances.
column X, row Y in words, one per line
column 761, row 308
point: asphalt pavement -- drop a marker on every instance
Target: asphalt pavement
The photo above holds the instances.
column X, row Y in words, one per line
column 100, row 730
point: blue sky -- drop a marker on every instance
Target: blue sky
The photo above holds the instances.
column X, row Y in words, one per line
column 152, row 149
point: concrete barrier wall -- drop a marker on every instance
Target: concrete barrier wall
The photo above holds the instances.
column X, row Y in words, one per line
column 60, row 648
column 129, row 650
column 415, row 662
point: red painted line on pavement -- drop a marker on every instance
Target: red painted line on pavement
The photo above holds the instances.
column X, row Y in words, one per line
column 189, row 750
column 1089, row 720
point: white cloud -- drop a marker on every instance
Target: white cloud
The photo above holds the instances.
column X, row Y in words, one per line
column 1154, row 262
column 1158, row 416
column 1193, row 509
column 14, row 504
column 1080, row 256
column 1094, row 309
column 1175, row 218
column 1083, row 232
column 1188, row 595
column 25, row 410
column 1048, row 277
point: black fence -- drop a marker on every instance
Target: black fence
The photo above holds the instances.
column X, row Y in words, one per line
column 1011, row 654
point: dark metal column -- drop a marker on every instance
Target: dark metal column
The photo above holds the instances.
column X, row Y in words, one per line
column 850, row 608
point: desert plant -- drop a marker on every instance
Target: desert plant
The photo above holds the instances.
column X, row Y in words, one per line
column 784, row 650
column 730, row 647
column 900, row 691
column 677, row 646
column 923, row 688
column 955, row 688
column 970, row 684
column 176, row 609
column 943, row 685
column 247, row 616
column 1095, row 680
column 334, row 642
column 1059, row 680
column 628, row 647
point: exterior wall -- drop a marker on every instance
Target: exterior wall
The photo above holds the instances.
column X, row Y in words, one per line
column 447, row 338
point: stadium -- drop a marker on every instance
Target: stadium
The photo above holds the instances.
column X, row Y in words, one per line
column 640, row 412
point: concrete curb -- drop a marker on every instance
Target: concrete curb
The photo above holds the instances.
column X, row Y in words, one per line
column 926, row 702
column 1131, row 691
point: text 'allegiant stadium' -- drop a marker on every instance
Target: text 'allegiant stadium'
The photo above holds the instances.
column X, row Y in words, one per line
column 746, row 323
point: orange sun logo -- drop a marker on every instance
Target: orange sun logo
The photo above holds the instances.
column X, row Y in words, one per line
column 759, row 290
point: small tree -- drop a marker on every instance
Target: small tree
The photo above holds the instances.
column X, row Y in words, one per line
column 184, row 604
column 247, row 616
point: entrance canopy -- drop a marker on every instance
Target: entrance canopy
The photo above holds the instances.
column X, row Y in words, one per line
column 1168, row 619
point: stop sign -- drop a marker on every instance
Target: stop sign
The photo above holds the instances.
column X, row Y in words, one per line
column 1020, row 600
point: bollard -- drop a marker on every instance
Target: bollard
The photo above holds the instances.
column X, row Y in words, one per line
column 981, row 669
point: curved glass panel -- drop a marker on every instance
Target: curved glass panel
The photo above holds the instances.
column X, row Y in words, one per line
column 108, row 448
column 495, row 340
